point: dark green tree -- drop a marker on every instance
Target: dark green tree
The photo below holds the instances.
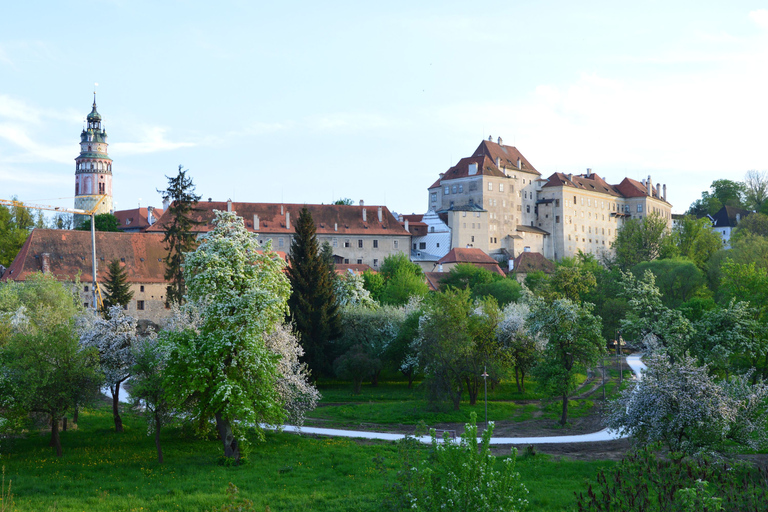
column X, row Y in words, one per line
column 178, row 231
column 344, row 201
column 118, row 291
column 15, row 224
column 102, row 222
column 313, row 307
column 641, row 240
column 721, row 193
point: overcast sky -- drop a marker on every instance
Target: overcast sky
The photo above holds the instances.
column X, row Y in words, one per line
column 312, row 101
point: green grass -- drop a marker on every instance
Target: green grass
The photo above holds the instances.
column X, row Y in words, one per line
column 105, row 471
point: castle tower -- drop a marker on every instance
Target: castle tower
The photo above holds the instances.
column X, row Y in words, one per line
column 93, row 168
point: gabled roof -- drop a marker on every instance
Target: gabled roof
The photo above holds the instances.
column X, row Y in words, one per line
column 485, row 167
column 434, row 278
column 594, row 183
column 727, row 217
column 532, row 261
column 330, row 219
column 69, row 254
column 507, row 156
column 531, row 229
column 138, row 218
column 472, row 256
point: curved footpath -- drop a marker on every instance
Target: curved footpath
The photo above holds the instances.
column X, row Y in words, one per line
column 633, row 361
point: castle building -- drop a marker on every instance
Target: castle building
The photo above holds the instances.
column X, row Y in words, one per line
column 93, row 168
column 496, row 201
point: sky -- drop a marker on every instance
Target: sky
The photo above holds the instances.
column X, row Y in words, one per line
column 309, row 102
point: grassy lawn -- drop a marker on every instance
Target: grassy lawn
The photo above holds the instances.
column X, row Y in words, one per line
column 105, row 471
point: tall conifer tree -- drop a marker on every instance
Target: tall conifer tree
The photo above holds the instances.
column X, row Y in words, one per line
column 313, row 306
column 118, row 290
column 178, row 232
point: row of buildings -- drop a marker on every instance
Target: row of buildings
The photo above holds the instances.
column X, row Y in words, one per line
column 491, row 206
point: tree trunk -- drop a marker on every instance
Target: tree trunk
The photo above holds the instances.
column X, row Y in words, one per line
column 64, row 424
column 375, row 379
column 517, row 379
column 522, row 380
column 564, row 418
column 115, row 409
column 472, row 389
column 157, row 438
column 357, row 385
column 456, row 396
column 55, row 440
column 75, row 414
column 231, row 447
column 410, row 379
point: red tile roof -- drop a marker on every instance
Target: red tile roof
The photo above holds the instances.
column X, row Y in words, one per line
column 471, row 255
column 357, row 268
column 434, row 278
column 532, row 261
column 329, row 219
column 507, row 156
column 627, row 188
column 485, row 167
column 69, row 254
column 138, row 218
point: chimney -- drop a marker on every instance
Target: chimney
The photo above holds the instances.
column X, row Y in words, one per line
column 490, row 138
column 335, row 226
column 511, row 265
column 210, row 199
column 441, row 175
column 381, row 214
column 658, row 190
column 229, row 205
column 46, row 262
column 166, row 203
column 498, row 162
column 406, row 225
column 365, row 215
column 570, row 176
column 665, row 192
column 440, row 268
column 150, row 217
column 362, row 203
column 648, row 185
column 589, row 172
column 519, row 163
column 282, row 210
column 288, row 220
column 499, row 141
column 255, row 222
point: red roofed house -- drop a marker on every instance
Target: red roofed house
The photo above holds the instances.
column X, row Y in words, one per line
column 472, row 256
column 357, row 234
column 67, row 255
column 138, row 219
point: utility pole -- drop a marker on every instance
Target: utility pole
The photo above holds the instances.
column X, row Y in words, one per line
column 485, row 382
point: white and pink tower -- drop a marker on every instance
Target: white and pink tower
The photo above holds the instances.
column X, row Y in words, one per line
column 93, row 168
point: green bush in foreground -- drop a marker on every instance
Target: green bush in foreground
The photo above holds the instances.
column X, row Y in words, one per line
column 456, row 476
column 643, row 481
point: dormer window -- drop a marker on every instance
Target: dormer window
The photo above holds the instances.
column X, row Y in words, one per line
column 472, row 168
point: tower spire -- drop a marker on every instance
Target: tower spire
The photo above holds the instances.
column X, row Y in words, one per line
column 93, row 167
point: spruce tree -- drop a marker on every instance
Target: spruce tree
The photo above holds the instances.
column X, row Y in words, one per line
column 118, row 290
column 178, row 232
column 313, row 307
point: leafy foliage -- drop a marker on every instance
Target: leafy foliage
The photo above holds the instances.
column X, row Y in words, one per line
column 696, row 240
column 482, row 283
column 118, row 291
column 356, row 365
column 113, row 338
column 640, row 240
column 517, row 345
column 15, row 225
column 681, row 405
column 721, row 193
column 397, row 281
column 178, row 232
column 456, row 476
column 223, row 368
column 678, row 280
column 313, row 306
column 102, row 222
column 573, row 338
column 645, row 481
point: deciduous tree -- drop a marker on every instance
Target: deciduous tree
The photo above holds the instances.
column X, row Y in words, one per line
column 640, row 240
column 102, row 222
column 222, row 368
column 573, row 339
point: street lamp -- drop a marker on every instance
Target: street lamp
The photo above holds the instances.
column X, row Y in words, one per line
column 485, row 382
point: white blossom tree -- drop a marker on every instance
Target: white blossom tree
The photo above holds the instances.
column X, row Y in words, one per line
column 518, row 346
column 681, row 405
column 223, row 368
column 351, row 292
column 112, row 337
column 148, row 388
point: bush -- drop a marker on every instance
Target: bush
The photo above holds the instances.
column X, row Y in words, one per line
column 456, row 476
column 643, row 481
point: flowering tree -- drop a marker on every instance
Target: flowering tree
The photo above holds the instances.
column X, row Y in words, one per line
column 574, row 340
column 350, row 291
column 223, row 367
column 516, row 344
column 113, row 338
column 681, row 405
column 147, row 386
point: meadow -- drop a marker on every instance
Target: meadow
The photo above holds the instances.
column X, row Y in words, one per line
column 102, row 470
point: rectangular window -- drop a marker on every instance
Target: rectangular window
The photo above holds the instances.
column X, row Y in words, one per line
column 360, row 243
column 490, row 186
column 473, row 238
column 359, row 261
column 335, row 242
column 434, row 197
column 141, row 288
column 557, row 203
column 346, row 261
column 346, row 243
column 422, row 245
column 447, row 190
column 501, row 187
column 639, row 208
column 375, row 244
column 574, row 200
column 461, row 188
column 280, row 242
column 395, row 243
column 557, row 219
column 140, row 305
column 375, row 262
column 85, row 288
